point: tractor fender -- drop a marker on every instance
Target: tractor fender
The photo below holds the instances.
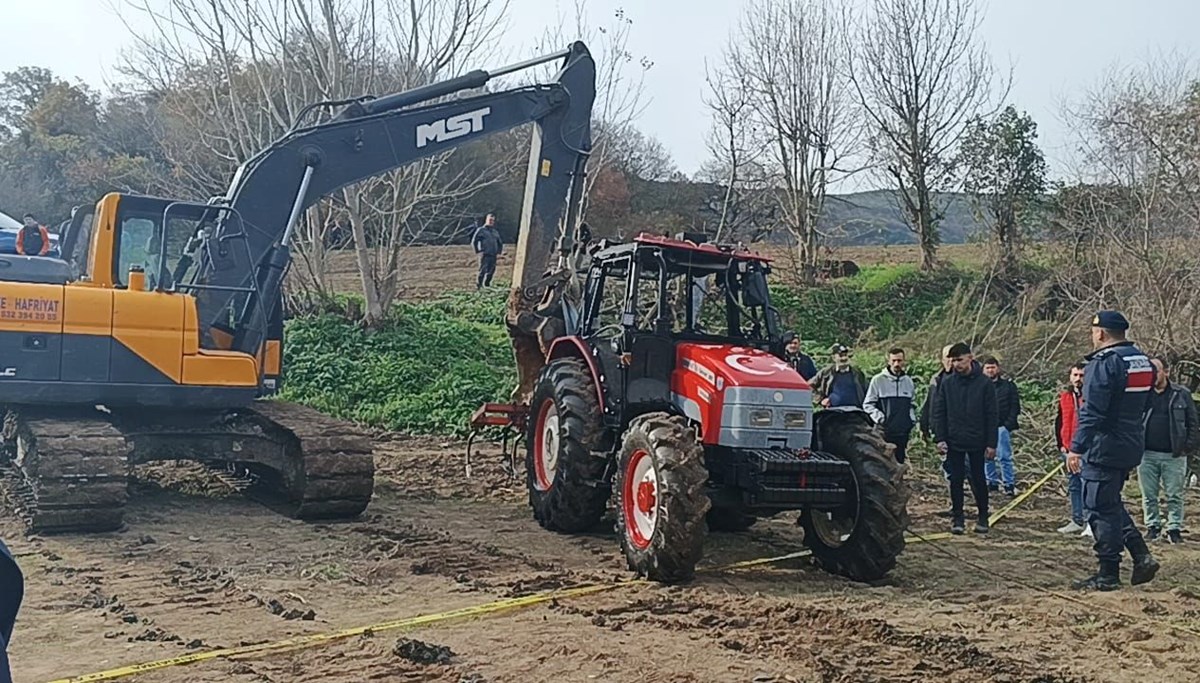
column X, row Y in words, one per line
column 575, row 347
column 844, row 414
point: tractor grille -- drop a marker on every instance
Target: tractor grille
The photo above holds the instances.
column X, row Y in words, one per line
column 779, row 479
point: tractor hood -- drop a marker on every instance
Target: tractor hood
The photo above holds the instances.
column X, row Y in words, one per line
column 724, row 365
column 742, row 397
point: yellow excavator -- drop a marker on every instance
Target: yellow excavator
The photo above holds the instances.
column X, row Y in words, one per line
column 159, row 333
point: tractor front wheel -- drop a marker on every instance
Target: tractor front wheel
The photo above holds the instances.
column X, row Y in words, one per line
column 565, row 480
column 661, row 503
column 861, row 539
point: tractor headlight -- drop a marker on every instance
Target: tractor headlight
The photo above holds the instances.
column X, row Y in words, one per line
column 795, row 419
column 761, row 418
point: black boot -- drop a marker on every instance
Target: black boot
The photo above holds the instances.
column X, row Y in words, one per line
column 1144, row 569
column 1144, row 564
column 1107, row 579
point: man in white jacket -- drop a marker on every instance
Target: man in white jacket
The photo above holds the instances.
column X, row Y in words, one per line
column 889, row 401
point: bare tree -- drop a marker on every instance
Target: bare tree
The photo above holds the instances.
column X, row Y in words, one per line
column 728, row 144
column 235, row 74
column 1133, row 216
column 620, row 83
column 920, row 76
column 795, row 105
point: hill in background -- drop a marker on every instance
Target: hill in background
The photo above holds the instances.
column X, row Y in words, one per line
column 869, row 218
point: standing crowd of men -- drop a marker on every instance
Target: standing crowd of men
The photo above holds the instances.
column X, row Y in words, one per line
column 1119, row 413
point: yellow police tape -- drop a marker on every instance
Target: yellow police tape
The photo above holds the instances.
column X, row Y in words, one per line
column 473, row 611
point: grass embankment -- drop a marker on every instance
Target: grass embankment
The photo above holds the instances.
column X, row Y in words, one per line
column 432, row 364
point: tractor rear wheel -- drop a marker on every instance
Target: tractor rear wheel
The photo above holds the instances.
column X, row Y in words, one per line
column 661, row 502
column 862, row 539
column 565, row 480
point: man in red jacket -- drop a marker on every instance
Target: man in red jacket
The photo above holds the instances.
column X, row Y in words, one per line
column 1064, row 428
column 33, row 238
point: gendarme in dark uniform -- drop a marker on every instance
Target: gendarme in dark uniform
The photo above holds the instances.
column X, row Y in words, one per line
column 1108, row 442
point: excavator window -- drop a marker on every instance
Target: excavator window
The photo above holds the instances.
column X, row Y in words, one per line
column 78, row 258
column 140, row 243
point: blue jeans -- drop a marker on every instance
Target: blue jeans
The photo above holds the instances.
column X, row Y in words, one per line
column 1004, row 457
column 1075, row 491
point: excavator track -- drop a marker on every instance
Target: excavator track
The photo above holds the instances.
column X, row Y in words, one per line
column 287, row 456
column 332, row 473
column 66, row 471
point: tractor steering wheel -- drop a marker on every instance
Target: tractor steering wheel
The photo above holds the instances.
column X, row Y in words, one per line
column 609, row 331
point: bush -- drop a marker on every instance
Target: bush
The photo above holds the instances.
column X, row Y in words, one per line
column 424, row 371
column 877, row 304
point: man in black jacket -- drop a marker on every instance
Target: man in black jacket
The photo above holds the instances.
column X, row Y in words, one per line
column 1171, row 431
column 487, row 243
column 12, row 589
column 1008, row 404
column 965, row 426
column 802, row 362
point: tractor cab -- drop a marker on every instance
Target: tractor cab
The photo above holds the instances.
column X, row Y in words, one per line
column 684, row 288
column 687, row 326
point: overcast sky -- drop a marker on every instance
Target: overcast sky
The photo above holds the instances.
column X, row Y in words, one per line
column 1057, row 47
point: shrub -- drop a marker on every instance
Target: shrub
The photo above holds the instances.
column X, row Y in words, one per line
column 424, row 371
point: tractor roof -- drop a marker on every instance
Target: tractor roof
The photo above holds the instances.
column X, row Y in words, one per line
column 682, row 251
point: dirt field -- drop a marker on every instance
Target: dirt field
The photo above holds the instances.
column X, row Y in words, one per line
column 430, row 272
column 192, row 573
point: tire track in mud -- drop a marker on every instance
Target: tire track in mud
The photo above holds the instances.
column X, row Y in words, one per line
column 471, row 564
column 839, row 645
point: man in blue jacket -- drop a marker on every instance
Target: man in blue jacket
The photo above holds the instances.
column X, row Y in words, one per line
column 12, row 589
column 1108, row 443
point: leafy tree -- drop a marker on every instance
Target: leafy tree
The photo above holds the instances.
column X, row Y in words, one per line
column 1006, row 176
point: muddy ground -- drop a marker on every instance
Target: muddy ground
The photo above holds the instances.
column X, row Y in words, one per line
column 197, row 571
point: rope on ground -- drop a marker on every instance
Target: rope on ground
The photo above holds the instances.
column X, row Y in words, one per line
column 322, row 638
column 474, row 611
column 1058, row 594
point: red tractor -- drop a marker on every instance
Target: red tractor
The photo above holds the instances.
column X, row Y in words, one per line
column 668, row 389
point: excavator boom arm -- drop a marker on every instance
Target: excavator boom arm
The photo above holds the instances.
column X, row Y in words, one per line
column 271, row 191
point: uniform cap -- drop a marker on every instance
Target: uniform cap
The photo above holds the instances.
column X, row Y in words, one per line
column 1110, row 320
column 839, row 348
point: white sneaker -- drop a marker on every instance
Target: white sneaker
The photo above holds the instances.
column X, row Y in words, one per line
column 1087, row 531
column 1071, row 528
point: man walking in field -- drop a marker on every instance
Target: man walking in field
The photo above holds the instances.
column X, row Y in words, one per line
column 965, row 425
column 1170, row 437
column 1064, row 430
column 840, row 383
column 889, row 401
column 487, row 243
column 1108, row 443
column 1008, row 403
